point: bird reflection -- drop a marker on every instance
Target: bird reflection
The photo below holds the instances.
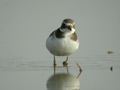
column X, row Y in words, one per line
column 63, row 81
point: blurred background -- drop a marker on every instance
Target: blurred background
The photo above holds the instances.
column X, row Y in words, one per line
column 26, row 24
column 26, row 64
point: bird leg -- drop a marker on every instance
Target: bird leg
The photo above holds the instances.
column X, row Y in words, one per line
column 54, row 62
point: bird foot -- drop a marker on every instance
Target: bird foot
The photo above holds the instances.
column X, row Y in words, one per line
column 65, row 63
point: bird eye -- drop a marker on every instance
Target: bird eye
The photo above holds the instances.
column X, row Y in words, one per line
column 63, row 26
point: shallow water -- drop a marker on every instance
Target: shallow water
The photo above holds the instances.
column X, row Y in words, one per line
column 26, row 64
column 99, row 73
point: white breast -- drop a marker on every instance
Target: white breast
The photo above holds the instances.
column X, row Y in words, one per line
column 61, row 47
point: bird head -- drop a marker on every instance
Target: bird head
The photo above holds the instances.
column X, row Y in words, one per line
column 68, row 25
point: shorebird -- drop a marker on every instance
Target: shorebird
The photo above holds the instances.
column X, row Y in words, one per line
column 63, row 41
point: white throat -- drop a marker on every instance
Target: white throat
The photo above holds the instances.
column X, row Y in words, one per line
column 67, row 31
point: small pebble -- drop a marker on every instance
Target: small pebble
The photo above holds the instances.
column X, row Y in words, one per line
column 111, row 68
column 110, row 52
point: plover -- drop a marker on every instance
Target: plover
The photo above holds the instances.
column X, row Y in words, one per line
column 63, row 41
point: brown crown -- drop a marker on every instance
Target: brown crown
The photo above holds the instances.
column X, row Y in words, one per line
column 68, row 21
